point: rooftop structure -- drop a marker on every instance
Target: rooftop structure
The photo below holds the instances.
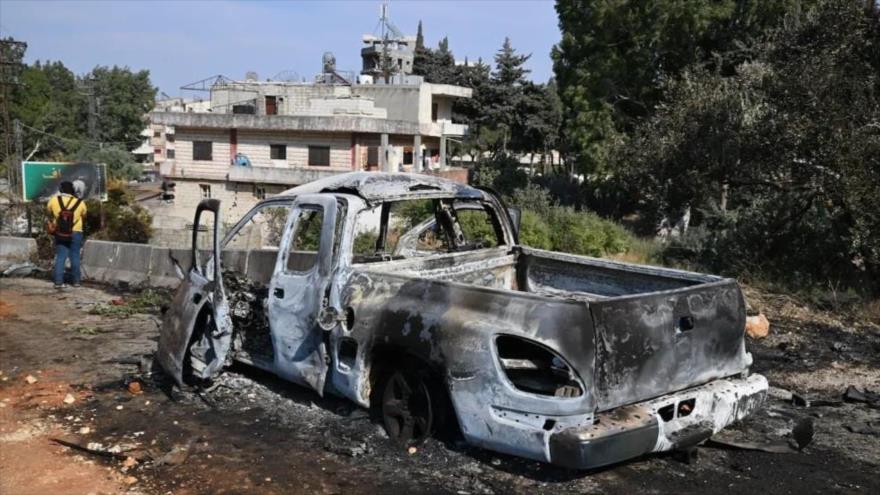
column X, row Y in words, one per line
column 253, row 138
column 388, row 53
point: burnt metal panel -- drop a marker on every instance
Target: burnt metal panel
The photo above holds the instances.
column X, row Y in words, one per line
column 652, row 344
column 379, row 186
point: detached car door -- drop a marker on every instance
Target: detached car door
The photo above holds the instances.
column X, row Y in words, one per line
column 299, row 291
column 198, row 319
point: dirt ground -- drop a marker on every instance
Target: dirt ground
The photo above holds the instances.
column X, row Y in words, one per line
column 70, row 375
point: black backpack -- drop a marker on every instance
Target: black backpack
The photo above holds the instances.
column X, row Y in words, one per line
column 66, row 219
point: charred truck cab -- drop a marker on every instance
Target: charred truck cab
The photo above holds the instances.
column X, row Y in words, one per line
column 411, row 294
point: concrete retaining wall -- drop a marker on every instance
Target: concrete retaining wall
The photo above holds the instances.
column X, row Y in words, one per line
column 16, row 249
column 132, row 264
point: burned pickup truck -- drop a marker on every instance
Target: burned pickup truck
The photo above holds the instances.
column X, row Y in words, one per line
column 411, row 295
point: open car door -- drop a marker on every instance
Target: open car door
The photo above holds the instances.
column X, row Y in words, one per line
column 299, row 291
column 196, row 331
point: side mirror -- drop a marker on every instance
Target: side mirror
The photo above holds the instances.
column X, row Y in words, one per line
column 515, row 219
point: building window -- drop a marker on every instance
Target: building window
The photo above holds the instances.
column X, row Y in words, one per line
column 206, row 191
column 247, row 109
column 259, row 192
column 372, row 156
column 271, row 106
column 203, row 150
column 157, row 151
column 278, row 151
column 319, row 156
column 157, row 134
column 433, row 112
column 169, row 153
column 407, row 156
column 169, row 138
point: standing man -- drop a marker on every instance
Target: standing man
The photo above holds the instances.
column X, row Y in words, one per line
column 67, row 215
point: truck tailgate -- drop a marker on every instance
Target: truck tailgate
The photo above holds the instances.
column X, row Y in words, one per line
column 652, row 344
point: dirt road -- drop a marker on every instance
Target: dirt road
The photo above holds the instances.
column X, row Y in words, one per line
column 68, row 364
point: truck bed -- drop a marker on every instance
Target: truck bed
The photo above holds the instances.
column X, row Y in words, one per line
column 545, row 273
column 654, row 330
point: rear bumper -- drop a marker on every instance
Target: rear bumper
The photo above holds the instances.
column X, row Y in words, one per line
column 677, row 420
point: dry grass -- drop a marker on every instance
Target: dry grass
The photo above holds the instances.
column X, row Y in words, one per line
column 643, row 251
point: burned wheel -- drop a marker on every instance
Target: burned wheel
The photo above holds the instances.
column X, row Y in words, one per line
column 407, row 407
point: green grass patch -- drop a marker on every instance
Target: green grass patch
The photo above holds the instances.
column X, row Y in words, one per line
column 149, row 301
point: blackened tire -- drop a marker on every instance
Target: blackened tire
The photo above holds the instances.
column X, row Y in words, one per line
column 410, row 404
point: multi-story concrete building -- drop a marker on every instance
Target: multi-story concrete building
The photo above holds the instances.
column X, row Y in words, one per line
column 158, row 142
column 259, row 138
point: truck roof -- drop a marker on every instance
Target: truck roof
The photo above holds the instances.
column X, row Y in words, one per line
column 382, row 186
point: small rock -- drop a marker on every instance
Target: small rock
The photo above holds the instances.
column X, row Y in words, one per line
column 119, row 407
column 134, row 388
column 757, row 327
column 129, row 480
column 412, row 450
column 85, row 430
column 780, row 393
column 69, row 399
column 129, row 462
column 31, row 379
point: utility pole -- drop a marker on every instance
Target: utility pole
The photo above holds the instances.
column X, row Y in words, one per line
column 17, row 158
column 89, row 91
column 11, row 56
column 17, row 182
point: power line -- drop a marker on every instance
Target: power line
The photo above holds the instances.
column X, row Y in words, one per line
column 84, row 141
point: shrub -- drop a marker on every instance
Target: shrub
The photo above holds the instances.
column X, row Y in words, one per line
column 123, row 219
column 503, row 175
column 534, row 231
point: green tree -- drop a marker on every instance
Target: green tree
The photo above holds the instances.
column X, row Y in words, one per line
column 504, row 97
column 123, row 98
column 614, row 59
column 51, row 101
column 538, row 119
column 779, row 161
column 120, row 162
column 436, row 66
column 47, row 100
column 420, row 37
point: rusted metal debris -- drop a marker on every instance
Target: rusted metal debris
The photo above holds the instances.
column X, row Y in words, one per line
column 412, row 294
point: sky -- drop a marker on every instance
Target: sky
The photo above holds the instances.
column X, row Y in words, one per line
column 184, row 41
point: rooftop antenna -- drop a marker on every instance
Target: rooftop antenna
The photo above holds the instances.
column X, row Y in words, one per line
column 385, row 22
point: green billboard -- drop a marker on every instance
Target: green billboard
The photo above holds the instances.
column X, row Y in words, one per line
column 40, row 180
